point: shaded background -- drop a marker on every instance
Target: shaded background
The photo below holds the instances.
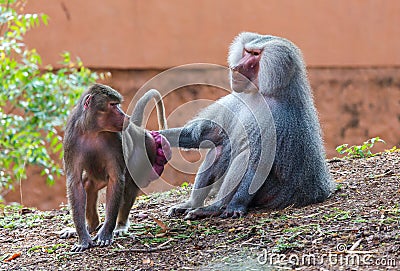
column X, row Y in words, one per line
column 352, row 50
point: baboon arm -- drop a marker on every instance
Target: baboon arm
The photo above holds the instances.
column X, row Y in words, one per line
column 242, row 197
column 179, row 137
column 194, row 136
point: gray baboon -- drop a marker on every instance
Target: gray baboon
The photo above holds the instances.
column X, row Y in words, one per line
column 271, row 94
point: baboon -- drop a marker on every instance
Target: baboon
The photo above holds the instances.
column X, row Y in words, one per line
column 265, row 137
column 93, row 159
column 138, row 143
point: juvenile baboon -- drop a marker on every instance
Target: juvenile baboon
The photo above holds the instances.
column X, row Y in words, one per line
column 271, row 105
column 93, row 159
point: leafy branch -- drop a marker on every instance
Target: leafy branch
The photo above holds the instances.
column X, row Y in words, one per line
column 34, row 102
column 359, row 151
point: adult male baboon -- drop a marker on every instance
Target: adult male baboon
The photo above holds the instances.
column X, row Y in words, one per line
column 93, row 159
column 268, row 76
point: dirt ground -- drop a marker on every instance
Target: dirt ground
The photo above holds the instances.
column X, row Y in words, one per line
column 358, row 228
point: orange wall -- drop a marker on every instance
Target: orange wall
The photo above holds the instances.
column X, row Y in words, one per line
column 160, row 34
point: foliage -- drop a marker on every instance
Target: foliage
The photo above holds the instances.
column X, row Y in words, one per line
column 16, row 216
column 359, row 151
column 393, row 149
column 34, row 102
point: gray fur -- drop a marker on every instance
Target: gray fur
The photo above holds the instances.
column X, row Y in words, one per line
column 137, row 114
column 299, row 174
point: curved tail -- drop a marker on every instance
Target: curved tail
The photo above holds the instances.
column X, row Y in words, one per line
column 137, row 114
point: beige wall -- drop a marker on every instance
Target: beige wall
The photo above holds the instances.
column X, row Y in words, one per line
column 160, row 34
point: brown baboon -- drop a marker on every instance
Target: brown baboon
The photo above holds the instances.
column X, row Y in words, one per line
column 93, row 159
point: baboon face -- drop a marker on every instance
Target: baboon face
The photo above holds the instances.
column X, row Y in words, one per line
column 244, row 76
column 112, row 118
column 262, row 63
column 106, row 110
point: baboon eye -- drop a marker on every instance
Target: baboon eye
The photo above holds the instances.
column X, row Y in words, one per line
column 252, row 52
column 114, row 104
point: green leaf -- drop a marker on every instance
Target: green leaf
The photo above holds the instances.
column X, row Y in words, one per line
column 37, row 101
column 45, row 19
column 361, row 151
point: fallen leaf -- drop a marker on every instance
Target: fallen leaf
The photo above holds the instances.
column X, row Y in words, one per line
column 14, row 256
column 148, row 261
column 162, row 225
column 162, row 234
column 142, row 215
column 25, row 211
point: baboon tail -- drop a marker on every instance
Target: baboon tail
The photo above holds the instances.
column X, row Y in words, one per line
column 137, row 114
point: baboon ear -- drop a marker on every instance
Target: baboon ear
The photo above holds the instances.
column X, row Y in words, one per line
column 87, row 101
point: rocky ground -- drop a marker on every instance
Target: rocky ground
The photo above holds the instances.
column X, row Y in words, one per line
column 358, row 228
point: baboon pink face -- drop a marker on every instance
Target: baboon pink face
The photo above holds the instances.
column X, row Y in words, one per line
column 245, row 73
column 105, row 113
column 113, row 118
